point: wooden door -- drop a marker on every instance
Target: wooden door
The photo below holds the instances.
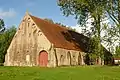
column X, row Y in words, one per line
column 43, row 59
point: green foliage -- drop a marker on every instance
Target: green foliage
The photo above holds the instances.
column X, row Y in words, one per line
column 5, row 40
column 95, row 9
column 61, row 24
column 96, row 50
column 93, row 43
column 2, row 26
column 1, row 23
column 49, row 20
column 82, row 9
column 110, row 38
column 113, row 10
column 117, row 51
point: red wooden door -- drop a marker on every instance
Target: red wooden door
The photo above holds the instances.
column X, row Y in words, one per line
column 43, row 59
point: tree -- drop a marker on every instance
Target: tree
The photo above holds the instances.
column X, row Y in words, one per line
column 109, row 38
column 49, row 20
column 2, row 26
column 117, row 51
column 82, row 10
column 113, row 10
column 5, row 40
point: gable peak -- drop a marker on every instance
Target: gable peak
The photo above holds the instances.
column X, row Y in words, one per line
column 27, row 13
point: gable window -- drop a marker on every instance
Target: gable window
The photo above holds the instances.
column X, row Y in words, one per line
column 39, row 33
column 28, row 24
column 28, row 18
column 33, row 24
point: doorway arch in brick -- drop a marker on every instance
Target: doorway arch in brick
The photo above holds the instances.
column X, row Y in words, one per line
column 43, row 58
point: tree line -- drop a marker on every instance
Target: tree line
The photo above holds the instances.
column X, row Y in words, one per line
column 6, row 35
column 100, row 11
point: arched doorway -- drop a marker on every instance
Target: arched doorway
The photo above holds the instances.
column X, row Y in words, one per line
column 43, row 58
column 61, row 60
column 79, row 59
column 69, row 58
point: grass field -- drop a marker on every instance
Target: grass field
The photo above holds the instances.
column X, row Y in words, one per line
column 64, row 73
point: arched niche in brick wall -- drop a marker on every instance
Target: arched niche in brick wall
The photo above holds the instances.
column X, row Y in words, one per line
column 43, row 58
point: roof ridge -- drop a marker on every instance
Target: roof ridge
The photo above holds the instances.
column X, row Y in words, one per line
column 49, row 22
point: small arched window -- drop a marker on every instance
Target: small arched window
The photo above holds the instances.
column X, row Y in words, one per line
column 33, row 24
column 73, row 57
column 61, row 59
column 68, row 55
column 28, row 24
column 79, row 59
column 28, row 58
column 39, row 33
column 28, row 18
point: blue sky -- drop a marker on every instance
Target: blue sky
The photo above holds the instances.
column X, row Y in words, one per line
column 12, row 11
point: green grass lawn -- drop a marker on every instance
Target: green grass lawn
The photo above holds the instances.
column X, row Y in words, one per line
column 64, row 73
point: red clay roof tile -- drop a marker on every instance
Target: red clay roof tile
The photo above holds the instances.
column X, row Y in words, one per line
column 56, row 34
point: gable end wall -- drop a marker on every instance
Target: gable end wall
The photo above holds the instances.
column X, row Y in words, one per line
column 27, row 43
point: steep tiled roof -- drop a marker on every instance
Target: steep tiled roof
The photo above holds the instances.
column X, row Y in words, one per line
column 59, row 36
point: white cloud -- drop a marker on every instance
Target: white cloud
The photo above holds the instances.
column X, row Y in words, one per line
column 77, row 28
column 7, row 13
column 88, row 26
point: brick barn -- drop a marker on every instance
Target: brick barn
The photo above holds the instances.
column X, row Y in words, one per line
column 40, row 43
